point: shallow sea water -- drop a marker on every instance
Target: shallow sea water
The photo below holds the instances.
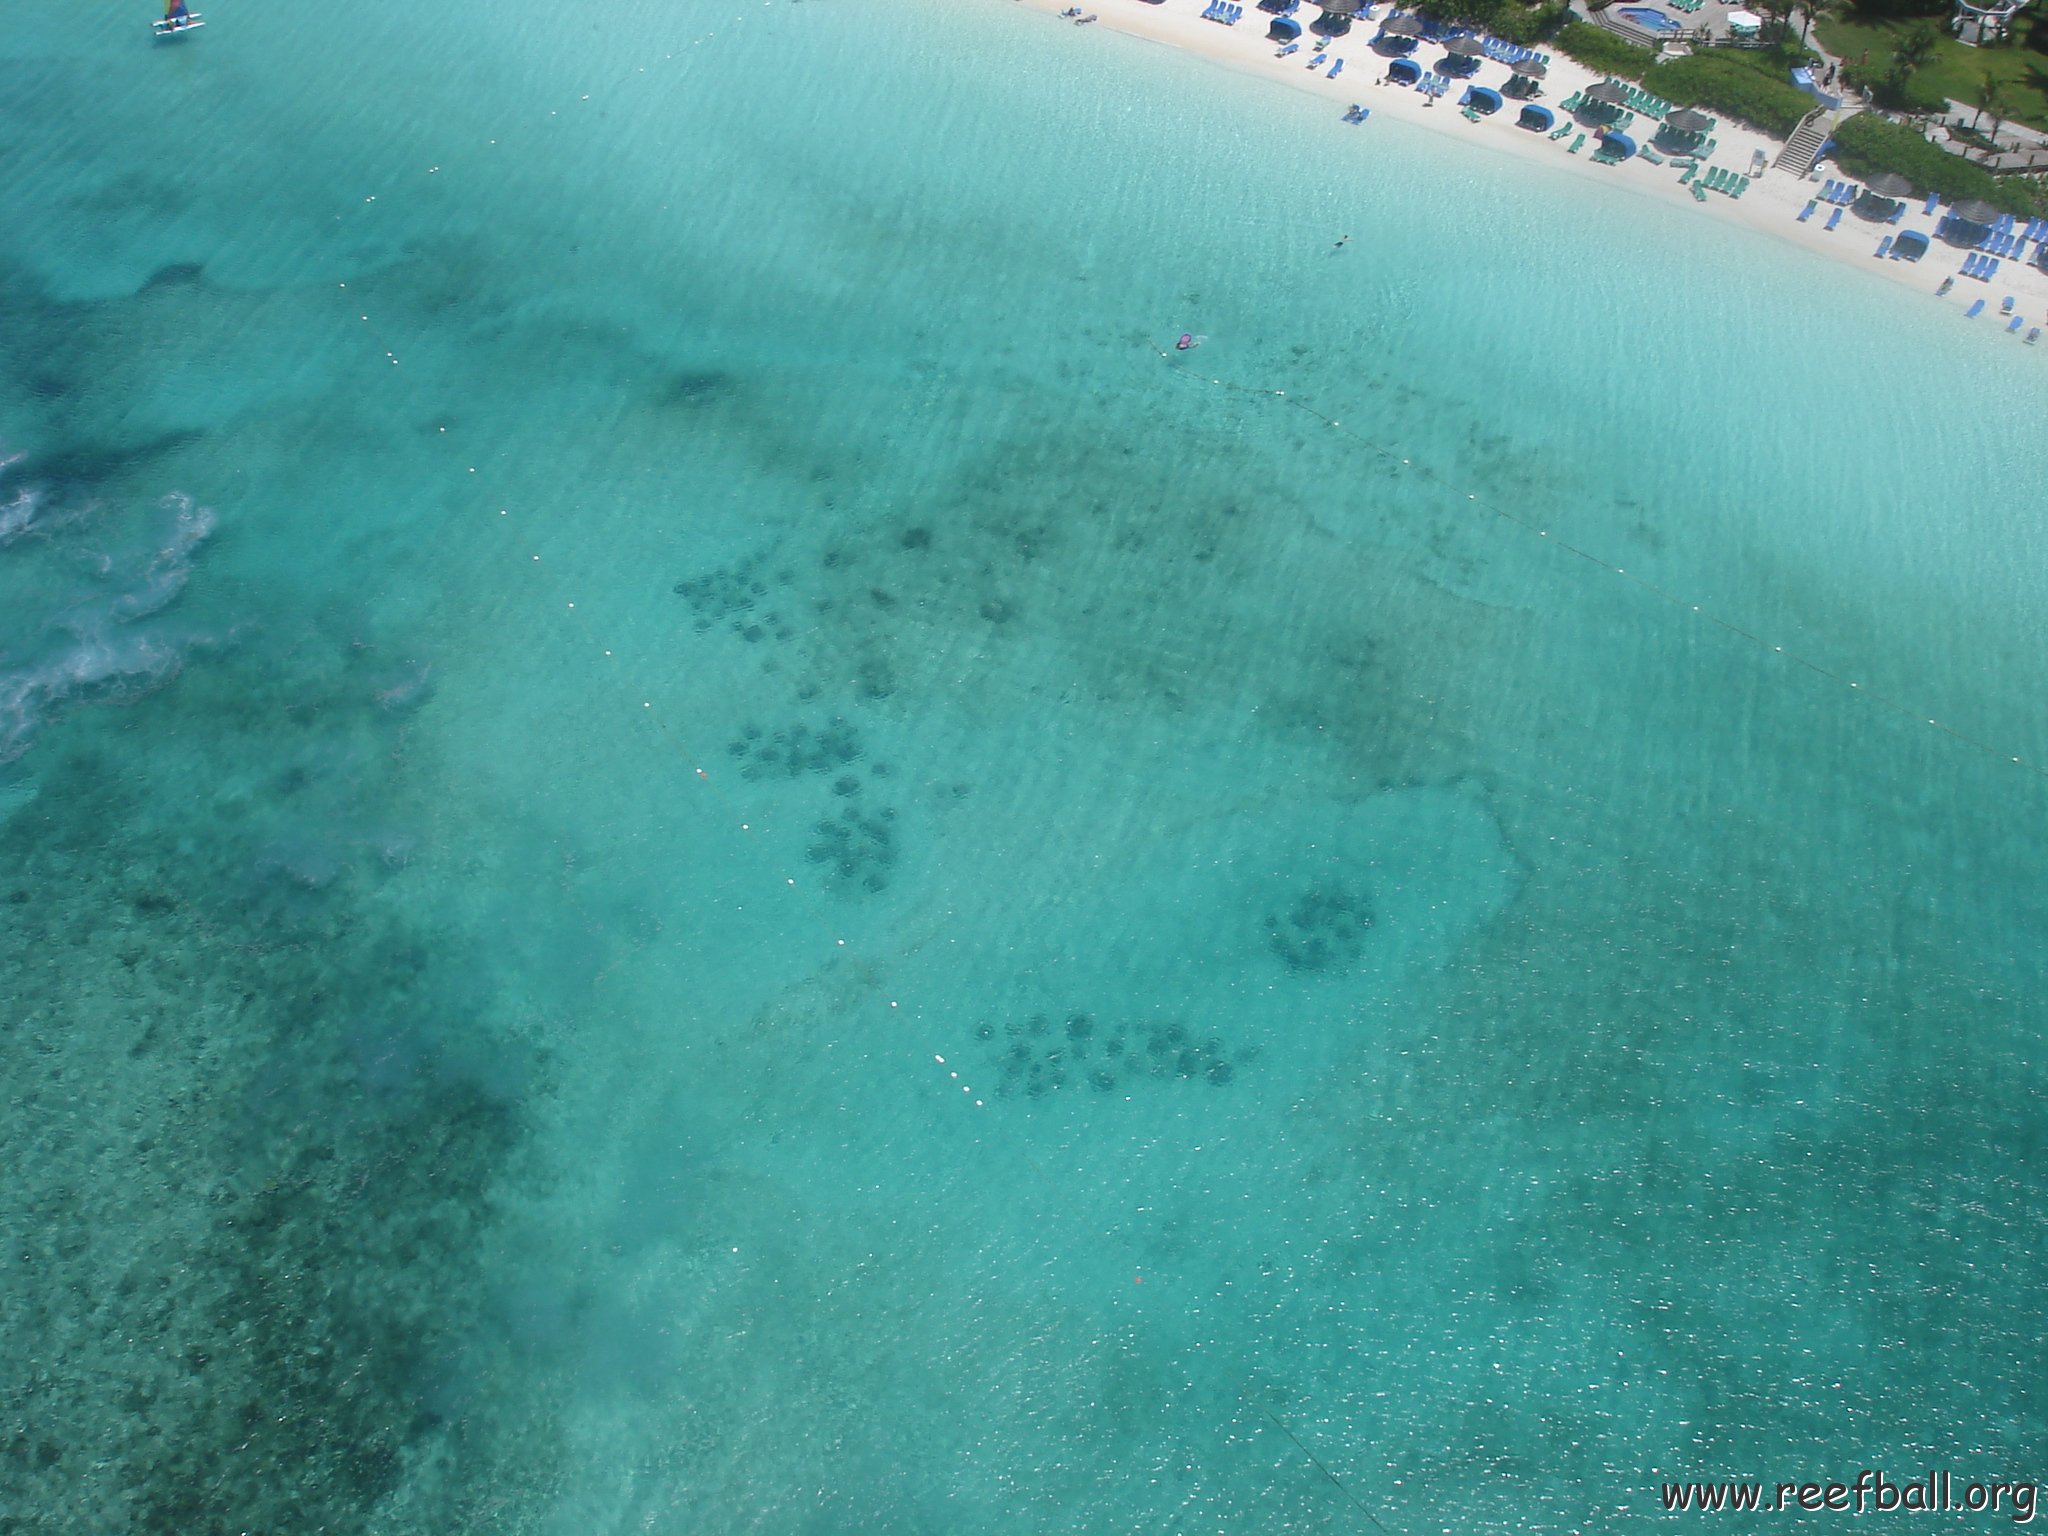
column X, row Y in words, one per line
column 495, row 844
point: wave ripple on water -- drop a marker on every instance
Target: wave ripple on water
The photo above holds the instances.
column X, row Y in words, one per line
column 82, row 587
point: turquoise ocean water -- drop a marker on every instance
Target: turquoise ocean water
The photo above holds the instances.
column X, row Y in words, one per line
column 684, row 849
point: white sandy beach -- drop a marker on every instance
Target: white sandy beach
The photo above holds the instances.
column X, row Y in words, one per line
column 1770, row 206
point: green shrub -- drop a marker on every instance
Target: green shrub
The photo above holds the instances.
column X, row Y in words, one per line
column 1529, row 24
column 1883, row 86
column 1508, row 19
column 1482, row 14
column 1597, row 48
column 1867, row 144
column 1727, row 86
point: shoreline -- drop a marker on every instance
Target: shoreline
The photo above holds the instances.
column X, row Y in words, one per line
column 1770, row 206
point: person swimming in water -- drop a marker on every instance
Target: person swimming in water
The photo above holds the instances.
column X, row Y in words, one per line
column 1188, row 342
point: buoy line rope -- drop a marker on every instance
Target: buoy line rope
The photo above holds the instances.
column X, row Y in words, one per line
column 1599, row 562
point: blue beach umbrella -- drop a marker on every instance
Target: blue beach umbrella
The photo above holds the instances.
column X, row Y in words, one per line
column 1283, row 30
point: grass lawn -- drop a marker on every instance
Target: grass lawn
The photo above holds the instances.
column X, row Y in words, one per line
column 2021, row 67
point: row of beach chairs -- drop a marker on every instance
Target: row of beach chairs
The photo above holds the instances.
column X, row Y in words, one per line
column 2002, row 240
column 1620, row 124
column 1434, row 31
column 1643, row 102
column 1843, row 192
column 1981, row 267
column 1223, row 11
column 1512, row 53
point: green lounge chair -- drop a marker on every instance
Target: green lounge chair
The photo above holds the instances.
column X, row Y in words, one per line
column 1690, row 172
column 1699, row 192
column 1578, row 144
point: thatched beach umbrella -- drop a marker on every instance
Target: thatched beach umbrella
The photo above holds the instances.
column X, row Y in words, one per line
column 1976, row 211
column 1690, row 122
column 1889, row 185
column 1462, row 55
column 1337, row 16
column 1531, row 69
column 1607, row 99
column 1407, row 24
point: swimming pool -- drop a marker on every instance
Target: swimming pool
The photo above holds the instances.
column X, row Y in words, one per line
column 1652, row 19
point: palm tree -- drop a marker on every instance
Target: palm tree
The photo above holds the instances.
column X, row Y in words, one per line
column 1990, row 98
column 1910, row 54
column 1916, row 48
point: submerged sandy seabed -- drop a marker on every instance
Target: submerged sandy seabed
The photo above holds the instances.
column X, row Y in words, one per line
column 1770, row 206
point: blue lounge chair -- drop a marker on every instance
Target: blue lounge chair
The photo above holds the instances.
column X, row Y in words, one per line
column 1336, row 69
column 1290, row 48
column 1976, row 308
column 1884, row 247
column 1933, row 202
column 1989, row 270
column 2006, row 307
column 2034, row 335
column 2017, row 322
column 1807, row 212
column 1834, row 218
